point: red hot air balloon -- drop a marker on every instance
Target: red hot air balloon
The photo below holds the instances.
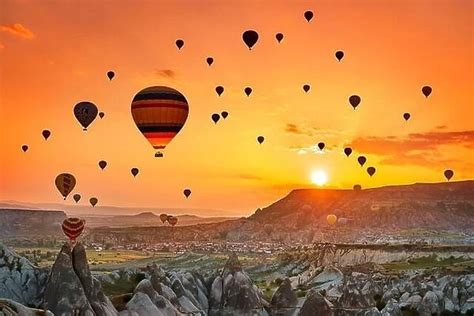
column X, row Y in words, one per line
column 308, row 15
column 46, row 133
column 24, row 148
column 306, row 88
column 219, row 90
column 448, row 174
column 260, row 139
column 134, row 171
column 348, row 151
column 72, row 227
column 361, row 160
column 179, row 43
column 187, row 192
column 371, row 171
column 250, row 38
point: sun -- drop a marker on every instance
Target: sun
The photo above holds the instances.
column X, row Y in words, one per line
column 319, row 177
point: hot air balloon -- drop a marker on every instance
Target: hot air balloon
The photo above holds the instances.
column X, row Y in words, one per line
column 361, row 160
column 308, row 15
column 331, row 219
column 279, row 37
column 65, row 182
column 406, row 116
column 101, row 114
column 187, row 192
column 110, row 75
column 354, row 100
column 209, row 60
column 224, row 114
column 159, row 113
column 426, row 90
column 268, row 229
column 339, row 55
column 24, row 148
column 250, row 38
column 371, row 171
column 179, row 43
column 321, row 145
column 85, row 112
column 306, row 88
column 348, row 151
column 448, row 174
column 102, row 164
column 248, row 91
column 215, row 117
column 73, row 227
column 260, row 139
column 219, row 90
column 134, row 171
column 357, row 187
column 76, row 197
column 46, row 133
column 173, row 220
column 93, row 201
column 163, row 217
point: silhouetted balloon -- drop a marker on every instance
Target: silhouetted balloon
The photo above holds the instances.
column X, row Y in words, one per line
column 354, row 100
column 46, row 133
column 348, row 151
column 215, row 117
column 248, row 91
column 224, row 114
column 209, row 60
column 24, row 148
column 279, row 37
column 101, row 114
column 426, row 90
column 187, row 192
column 110, row 75
column 65, row 182
column 268, row 228
column 163, row 217
column 339, row 55
column 85, row 113
column 219, row 90
column 371, row 171
column 448, row 174
column 406, row 116
column 250, row 38
column 173, row 220
column 76, row 197
column 361, row 160
column 260, row 139
column 72, row 227
column 357, row 187
column 306, row 87
column 321, row 145
column 102, row 164
column 134, row 171
column 179, row 43
column 331, row 219
column 93, row 201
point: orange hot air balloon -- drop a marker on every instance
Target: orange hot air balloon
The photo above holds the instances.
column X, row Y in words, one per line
column 172, row 220
column 163, row 218
column 331, row 219
column 160, row 113
column 73, row 227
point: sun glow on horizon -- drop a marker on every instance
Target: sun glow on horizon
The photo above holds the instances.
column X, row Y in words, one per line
column 319, row 177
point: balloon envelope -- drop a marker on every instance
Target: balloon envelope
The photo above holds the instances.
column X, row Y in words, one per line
column 46, row 133
column 339, row 55
column 248, row 91
column 163, row 217
column 209, row 60
column 110, row 75
column 215, row 117
column 76, row 197
column 224, row 114
column 331, row 219
column 308, row 15
column 354, row 100
column 173, row 220
column 24, row 148
column 306, row 87
column 426, row 90
column 348, row 151
column 85, row 112
column 448, row 174
column 101, row 114
column 321, row 145
column 406, row 116
column 250, row 38
column 65, row 183
column 361, row 160
column 179, row 43
column 357, row 187
column 93, row 201
column 102, row 164
column 279, row 37
column 134, row 171
column 371, row 171
column 260, row 139
column 72, row 227
column 187, row 192
column 219, row 90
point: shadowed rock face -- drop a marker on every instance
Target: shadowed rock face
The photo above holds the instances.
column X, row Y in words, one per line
column 284, row 299
column 316, row 304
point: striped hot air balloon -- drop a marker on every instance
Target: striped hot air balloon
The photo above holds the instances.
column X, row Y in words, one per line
column 65, row 182
column 73, row 227
column 160, row 113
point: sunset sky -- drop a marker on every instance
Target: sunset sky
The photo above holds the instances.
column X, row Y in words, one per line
column 54, row 54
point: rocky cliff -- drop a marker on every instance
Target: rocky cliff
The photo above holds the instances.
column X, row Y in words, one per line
column 22, row 222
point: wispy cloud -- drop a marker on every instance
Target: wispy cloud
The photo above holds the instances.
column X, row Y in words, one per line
column 295, row 129
column 167, row 73
column 17, row 29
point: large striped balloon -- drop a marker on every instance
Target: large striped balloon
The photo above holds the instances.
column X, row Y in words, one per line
column 160, row 113
column 73, row 227
column 65, row 182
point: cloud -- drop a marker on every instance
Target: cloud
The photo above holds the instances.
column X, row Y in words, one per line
column 17, row 29
column 295, row 129
column 166, row 73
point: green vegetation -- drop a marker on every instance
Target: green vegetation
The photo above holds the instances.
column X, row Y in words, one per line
column 433, row 261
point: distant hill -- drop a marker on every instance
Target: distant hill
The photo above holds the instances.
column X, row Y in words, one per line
column 22, row 222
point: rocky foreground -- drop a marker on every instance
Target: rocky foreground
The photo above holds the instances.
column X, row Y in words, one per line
column 69, row 288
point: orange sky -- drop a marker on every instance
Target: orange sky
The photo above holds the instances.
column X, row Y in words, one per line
column 54, row 54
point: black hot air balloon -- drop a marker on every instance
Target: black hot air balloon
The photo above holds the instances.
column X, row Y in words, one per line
column 187, row 192
column 76, row 197
column 306, row 87
column 371, row 171
column 426, row 90
column 219, row 90
column 215, row 117
column 46, row 133
column 134, row 171
column 348, row 151
column 321, row 145
column 448, row 174
column 361, row 160
column 65, row 183
column 110, row 75
column 101, row 114
column 260, row 139
column 224, row 114
column 406, row 116
column 248, row 91
column 93, row 201
column 357, row 187
column 179, row 43
column 209, row 60
column 85, row 112
column 354, row 100
column 279, row 37
column 250, row 38
column 102, row 164
column 24, row 148
column 339, row 55
column 308, row 15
